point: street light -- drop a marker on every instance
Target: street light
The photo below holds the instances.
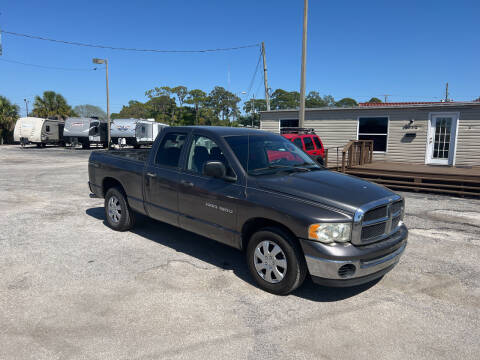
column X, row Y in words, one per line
column 105, row 61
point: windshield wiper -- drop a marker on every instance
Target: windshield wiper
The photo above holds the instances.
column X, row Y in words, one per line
column 288, row 168
column 311, row 166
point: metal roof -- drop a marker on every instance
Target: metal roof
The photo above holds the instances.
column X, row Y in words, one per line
column 222, row 130
column 407, row 105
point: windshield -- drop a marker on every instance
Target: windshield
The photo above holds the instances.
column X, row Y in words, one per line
column 269, row 153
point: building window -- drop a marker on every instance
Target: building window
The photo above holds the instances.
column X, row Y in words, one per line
column 376, row 129
column 288, row 123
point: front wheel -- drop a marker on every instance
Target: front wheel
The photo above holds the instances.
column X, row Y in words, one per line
column 276, row 261
column 118, row 213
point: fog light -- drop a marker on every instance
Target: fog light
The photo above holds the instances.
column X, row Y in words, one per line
column 346, row 271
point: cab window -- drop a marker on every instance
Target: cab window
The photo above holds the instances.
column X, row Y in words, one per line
column 204, row 149
column 169, row 151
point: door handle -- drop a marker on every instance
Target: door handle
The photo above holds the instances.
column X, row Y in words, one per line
column 152, row 175
column 186, row 183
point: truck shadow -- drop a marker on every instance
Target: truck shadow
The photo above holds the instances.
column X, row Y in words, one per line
column 222, row 256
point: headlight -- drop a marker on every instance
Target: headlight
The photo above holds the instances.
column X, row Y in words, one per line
column 330, row 232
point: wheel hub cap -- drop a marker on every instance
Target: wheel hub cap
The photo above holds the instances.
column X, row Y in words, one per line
column 114, row 209
column 270, row 261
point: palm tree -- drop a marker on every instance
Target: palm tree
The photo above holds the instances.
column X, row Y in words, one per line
column 53, row 105
column 8, row 116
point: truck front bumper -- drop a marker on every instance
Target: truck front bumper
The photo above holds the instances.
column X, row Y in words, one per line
column 349, row 265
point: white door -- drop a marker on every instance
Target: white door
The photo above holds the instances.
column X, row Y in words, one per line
column 441, row 138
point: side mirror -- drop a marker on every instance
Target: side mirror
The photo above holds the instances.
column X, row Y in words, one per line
column 215, row 169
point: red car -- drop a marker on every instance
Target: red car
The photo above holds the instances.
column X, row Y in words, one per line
column 307, row 140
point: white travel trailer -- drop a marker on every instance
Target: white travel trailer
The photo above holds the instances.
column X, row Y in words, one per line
column 146, row 131
column 39, row 131
column 122, row 131
column 85, row 131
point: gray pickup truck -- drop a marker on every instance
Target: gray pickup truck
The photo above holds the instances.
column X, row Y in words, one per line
column 259, row 193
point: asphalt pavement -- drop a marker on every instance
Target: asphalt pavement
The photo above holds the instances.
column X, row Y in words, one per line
column 71, row 288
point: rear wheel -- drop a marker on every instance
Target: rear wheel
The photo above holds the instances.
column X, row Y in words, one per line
column 118, row 213
column 275, row 261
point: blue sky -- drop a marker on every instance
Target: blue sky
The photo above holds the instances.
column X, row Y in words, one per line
column 355, row 48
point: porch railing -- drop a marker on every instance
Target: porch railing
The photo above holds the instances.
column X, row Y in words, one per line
column 356, row 152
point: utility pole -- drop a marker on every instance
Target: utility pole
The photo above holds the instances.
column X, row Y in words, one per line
column 385, row 97
column 108, row 106
column 253, row 108
column 26, row 105
column 446, row 92
column 105, row 61
column 301, row 115
column 267, row 95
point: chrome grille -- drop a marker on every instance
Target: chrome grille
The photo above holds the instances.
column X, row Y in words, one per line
column 377, row 220
column 375, row 214
column 396, row 207
column 395, row 222
column 372, row 231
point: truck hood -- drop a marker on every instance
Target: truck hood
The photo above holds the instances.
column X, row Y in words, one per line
column 326, row 187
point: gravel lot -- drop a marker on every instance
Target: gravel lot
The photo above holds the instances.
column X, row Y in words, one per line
column 71, row 288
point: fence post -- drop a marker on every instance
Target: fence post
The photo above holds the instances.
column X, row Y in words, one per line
column 350, row 155
column 343, row 161
column 362, row 153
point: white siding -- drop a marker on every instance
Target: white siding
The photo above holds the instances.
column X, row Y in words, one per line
column 334, row 132
column 468, row 142
column 337, row 127
column 269, row 125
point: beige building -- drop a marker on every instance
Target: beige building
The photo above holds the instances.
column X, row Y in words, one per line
column 422, row 133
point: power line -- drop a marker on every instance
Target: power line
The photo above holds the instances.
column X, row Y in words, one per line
column 47, row 67
column 254, row 76
column 124, row 48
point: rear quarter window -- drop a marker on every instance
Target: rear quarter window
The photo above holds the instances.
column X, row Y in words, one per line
column 317, row 142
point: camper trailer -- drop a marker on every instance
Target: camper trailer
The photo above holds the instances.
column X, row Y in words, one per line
column 85, row 131
column 146, row 131
column 39, row 131
column 122, row 131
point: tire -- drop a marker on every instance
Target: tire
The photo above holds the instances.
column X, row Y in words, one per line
column 119, row 218
column 293, row 273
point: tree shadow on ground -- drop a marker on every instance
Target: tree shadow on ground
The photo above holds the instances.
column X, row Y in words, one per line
column 222, row 256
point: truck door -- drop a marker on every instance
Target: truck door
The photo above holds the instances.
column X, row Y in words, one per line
column 162, row 177
column 207, row 205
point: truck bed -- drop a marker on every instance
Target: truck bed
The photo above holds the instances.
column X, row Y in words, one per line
column 131, row 154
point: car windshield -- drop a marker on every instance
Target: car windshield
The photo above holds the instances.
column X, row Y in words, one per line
column 268, row 154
